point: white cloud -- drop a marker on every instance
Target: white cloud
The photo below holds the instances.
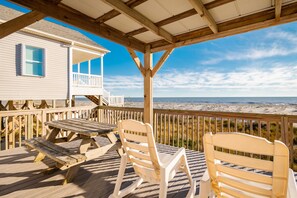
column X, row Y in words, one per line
column 274, row 77
column 288, row 46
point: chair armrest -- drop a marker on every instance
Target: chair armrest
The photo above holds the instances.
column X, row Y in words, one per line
column 292, row 187
column 205, row 187
column 174, row 159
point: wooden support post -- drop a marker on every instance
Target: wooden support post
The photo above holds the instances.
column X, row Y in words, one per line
column 73, row 101
column 43, row 105
column 148, row 73
column 2, row 108
column 278, row 9
column 67, row 103
column 10, row 106
column 54, row 103
column 28, row 105
column 148, row 86
column 100, row 111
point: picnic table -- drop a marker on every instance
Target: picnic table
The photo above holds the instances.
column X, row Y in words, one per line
column 89, row 148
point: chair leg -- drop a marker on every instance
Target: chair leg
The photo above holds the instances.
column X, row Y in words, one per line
column 192, row 190
column 163, row 184
column 116, row 192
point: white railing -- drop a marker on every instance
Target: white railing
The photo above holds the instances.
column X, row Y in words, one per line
column 116, row 100
column 86, row 80
column 106, row 96
column 112, row 100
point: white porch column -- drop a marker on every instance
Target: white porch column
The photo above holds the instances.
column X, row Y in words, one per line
column 148, row 86
column 70, row 75
column 101, row 67
column 89, row 71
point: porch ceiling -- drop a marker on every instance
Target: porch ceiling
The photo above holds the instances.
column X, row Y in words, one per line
column 79, row 56
column 164, row 24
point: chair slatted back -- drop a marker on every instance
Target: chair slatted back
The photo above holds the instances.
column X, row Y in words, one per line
column 242, row 165
column 139, row 144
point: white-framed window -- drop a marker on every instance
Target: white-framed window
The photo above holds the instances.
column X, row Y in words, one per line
column 33, row 61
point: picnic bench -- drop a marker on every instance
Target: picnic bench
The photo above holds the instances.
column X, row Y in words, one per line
column 77, row 129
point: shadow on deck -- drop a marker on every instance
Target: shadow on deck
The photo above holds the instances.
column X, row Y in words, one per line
column 20, row 177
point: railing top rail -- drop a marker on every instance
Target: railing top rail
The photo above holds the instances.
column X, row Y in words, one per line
column 82, row 74
column 39, row 111
column 56, row 110
column 19, row 112
column 255, row 116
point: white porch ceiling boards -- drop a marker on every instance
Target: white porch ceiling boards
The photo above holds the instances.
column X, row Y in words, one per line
column 91, row 8
column 176, row 17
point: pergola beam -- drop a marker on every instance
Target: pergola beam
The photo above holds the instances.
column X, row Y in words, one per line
column 204, row 14
column 183, row 15
column 162, row 60
column 139, row 18
column 81, row 21
column 248, row 23
column 19, row 23
column 113, row 13
column 136, row 61
column 278, row 9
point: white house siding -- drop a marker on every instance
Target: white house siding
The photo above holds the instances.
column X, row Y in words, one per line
column 13, row 86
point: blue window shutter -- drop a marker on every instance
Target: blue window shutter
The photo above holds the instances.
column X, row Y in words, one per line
column 23, row 59
column 44, row 62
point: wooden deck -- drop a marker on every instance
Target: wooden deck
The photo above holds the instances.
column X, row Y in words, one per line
column 20, row 177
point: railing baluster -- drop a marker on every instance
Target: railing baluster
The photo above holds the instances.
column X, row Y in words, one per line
column 6, row 133
column 268, row 130
column 243, row 125
column 169, row 129
column 173, row 130
column 209, row 124
column 193, row 138
column 178, row 137
column 188, row 132
column 216, row 125
column 259, row 128
column 20, row 131
column 198, row 134
column 251, row 127
column 183, row 131
column 1, row 132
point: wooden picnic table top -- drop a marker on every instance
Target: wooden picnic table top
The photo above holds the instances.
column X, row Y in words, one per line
column 82, row 126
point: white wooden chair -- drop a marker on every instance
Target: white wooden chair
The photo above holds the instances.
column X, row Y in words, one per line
column 235, row 168
column 150, row 165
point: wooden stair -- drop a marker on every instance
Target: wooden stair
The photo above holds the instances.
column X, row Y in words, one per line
column 95, row 99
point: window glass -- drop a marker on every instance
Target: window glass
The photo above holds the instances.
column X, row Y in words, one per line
column 34, row 63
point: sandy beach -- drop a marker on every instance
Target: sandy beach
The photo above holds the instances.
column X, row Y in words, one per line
column 244, row 108
column 288, row 109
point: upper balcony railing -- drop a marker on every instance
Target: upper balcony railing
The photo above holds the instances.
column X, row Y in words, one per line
column 87, row 80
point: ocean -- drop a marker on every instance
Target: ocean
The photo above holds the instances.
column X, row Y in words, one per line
column 220, row 100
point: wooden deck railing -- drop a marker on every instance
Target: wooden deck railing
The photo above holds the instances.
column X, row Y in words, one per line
column 185, row 128
column 16, row 126
column 181, row 128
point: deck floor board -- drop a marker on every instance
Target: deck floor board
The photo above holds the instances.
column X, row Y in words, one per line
column 21, row 177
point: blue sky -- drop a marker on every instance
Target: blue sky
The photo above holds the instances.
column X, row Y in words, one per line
column 258, row 63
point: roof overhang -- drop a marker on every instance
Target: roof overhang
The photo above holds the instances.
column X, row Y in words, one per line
column 80, row 55
column 165, row 24
column 63, row 40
